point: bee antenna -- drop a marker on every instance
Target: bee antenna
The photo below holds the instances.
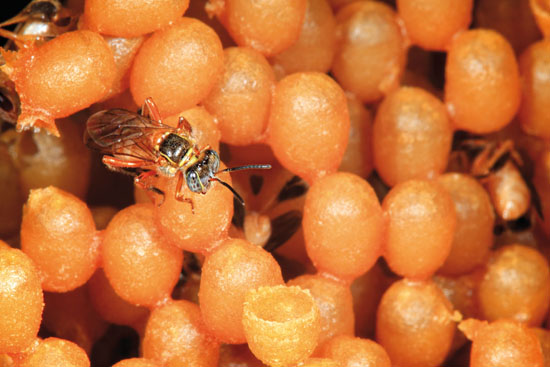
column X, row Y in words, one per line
column 235, row 193
column 250, row 166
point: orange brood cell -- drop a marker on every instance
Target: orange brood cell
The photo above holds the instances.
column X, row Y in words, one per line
column 175, row 336
column 56, row 352
column 492, row 342
column 482, row 85
column 47, row 91
column 21, row 300
column 177, row 66
column 241, row 98
column 130, row 19
column 343, row 225
column 142, row 267
column 59, row 235
column 415, row 323
column 269, row 26
column 418, row 149
column 475, row 219
column 421, row 221
column 314, row 49
column 534, row 66
column 431, row 24
column 515, row 285
column 370, row 49
column 309, row 124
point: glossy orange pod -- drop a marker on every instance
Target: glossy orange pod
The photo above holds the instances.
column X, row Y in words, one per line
column 142, row 267
column 47, row 91
column 177, row 66
column 515, row 285
column 492, row 342
column 411, row 137
column 58, row 233
column 415, row 323
column 21, row 300
column 175, row 336
column 421, row 222
column 309, row 124
column 370, row 50
column 343, row 225
column 475, row 220
column 56, row 352
column 431, row 24
column 268, row 27
column 534, row 66
column 228, row 273
column 240, row 100
column 130, row 19
column 314, row 49
column 482, row 85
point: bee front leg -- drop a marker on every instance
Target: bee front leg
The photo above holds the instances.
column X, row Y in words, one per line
column 179, row 192
column 183, row 124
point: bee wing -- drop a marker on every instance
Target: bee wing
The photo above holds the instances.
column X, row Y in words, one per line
column 122, row 133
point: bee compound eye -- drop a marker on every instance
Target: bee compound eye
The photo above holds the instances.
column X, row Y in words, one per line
column 193, row 181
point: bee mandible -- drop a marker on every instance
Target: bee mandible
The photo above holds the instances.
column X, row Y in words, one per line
column 141, row 145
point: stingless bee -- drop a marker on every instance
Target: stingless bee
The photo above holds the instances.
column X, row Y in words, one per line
column 497, row 165
column 141, row 145
column 40, row 20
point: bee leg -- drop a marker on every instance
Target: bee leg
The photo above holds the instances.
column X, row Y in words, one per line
column 481, row 165
column 199, row 151
column 139, row 182
column 501, row 154
column 19, row 18
column 183, row 124
column 21, row 41
column 151, row 110
column 114, row 162
column 179, row 192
